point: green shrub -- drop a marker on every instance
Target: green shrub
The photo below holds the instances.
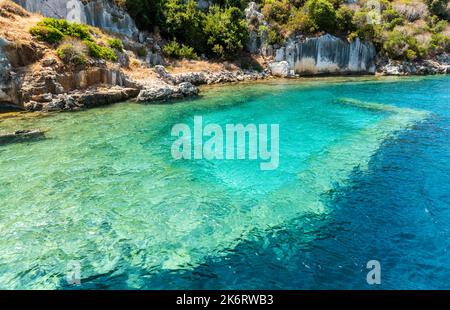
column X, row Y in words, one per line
column 344, row 17
column 391, row 18
column 437, row 7
column 352, row 36
column 116, row 44
column 53, row 30
column 226, row 31
column 218, row 51
column 100, row 52
column 72, row 54
column 75, row 30
column 276, row 11
column 274, row 35
column 185, row 23
column 146, row 13
column 401, row 46
column 367, row 31
column 47, row 34
column 439, row 43
column 323, row 14
column 436, row 25
column 301, row 22
column 142, row 52
column 175, row 50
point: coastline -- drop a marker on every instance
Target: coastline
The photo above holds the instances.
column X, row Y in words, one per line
column 270, row 80
column 170, row 98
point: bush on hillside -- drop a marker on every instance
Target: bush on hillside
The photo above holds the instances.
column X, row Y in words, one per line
column 439, row 43
column 226, row 31
column 75, row 30
column 301, row 22
column 72, row 52
column 47, row 34
column 276, row 11
column 323, row 14
column 175, row 50
column 437, row 7
column 115, row 44
column 367, row 31
column 391, row 18
column 436, row 25
column 185, row 22
column 100, row 52
column 402, row 46
column 344, row 17
column 146, row 13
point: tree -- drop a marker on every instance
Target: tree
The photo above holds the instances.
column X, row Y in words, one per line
column 226, row 31
column 323, row 14
column 146, row 13
column 185, row 23
column 437, row 7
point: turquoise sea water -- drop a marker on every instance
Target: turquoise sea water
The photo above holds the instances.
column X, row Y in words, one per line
column 364, row 174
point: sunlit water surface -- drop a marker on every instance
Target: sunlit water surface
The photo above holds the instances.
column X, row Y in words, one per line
column 364, row 174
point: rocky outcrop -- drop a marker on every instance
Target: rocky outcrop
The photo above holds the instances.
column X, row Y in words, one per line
column 163, row 92
column 208, row 77
column 9, row 80
column 77, row 100
column 439, row 65
column 5, row 74
column 326, row 55
column 99, row 13
column 39, row 86
column 257, row 38
column 280, row 68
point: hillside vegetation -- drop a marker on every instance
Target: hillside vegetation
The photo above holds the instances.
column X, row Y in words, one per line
column 400, row 29
column 403, row 29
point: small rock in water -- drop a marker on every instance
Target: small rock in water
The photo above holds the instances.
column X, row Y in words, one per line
column 21, row 136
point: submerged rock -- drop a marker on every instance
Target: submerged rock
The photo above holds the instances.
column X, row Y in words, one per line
column 21, row 136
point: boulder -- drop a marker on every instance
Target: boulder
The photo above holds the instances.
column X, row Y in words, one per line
column 163, row 92
column 280, row 68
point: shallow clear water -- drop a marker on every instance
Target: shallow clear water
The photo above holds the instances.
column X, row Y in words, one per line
column 364, row 174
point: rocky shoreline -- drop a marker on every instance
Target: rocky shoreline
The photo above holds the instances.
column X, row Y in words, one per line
column 439, row 65
column 55, row 89
column 168, row 86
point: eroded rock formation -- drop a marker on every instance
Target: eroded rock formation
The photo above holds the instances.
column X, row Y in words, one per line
column 99, row 13
column 327, row 55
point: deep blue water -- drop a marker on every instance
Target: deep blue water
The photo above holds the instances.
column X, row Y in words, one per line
column 396, row 211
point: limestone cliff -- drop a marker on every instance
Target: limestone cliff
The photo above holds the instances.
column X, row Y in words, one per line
column 327, row 55
column 99, row 13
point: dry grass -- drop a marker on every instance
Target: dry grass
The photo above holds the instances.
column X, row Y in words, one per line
column 412, row 10
column 185, row 66
column 15, row 22
column 139, row 71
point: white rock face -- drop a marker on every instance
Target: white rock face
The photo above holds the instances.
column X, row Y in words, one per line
column 257, row 40
column 99, row 13
column 279, row 68
column 5, row 79
column 328, row 55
